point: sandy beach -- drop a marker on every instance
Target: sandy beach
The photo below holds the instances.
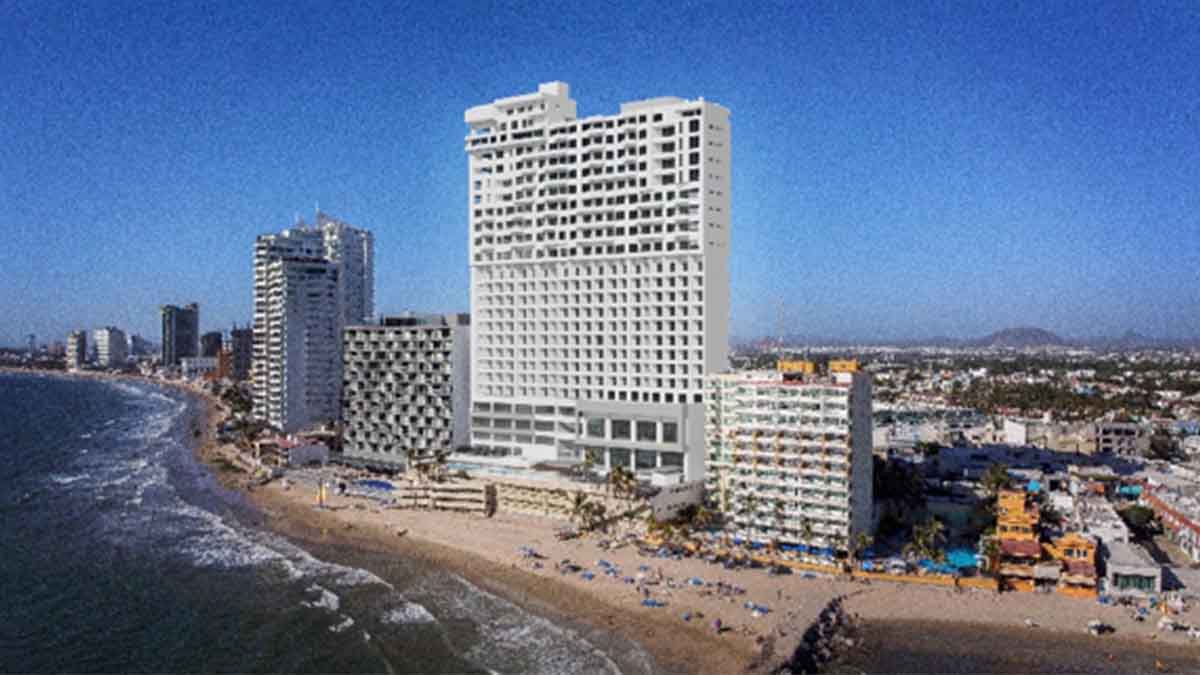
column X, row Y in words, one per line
column 486, row 551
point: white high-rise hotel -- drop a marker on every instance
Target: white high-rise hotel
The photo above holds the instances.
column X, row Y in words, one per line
column 599, row 277
column 309, row 282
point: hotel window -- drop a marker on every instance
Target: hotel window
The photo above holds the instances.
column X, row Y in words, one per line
column 621, row 430
column 645, row 459
column 647, row 431
column 670, row 432
column 595, row 427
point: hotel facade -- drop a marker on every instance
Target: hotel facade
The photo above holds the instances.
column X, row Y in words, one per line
column 406, row 388
column 599, row 278
column 789, row 456
column 302, row 300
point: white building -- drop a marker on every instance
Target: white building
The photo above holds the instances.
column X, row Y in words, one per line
column 790, row 454
column 407, row 388
column 309, row 282
column 599, row 277
column 111, row 347
column 194, row 367
column 77, row 350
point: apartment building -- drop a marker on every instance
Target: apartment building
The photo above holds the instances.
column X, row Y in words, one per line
column 302, row 300
column 77, row 350
column 406, row 388
column 789, row 453
column 180, row 333
column 1127, row 439
column 111, row 347
column 599, row 277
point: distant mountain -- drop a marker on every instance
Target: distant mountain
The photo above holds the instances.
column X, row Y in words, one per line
column 1021, row 337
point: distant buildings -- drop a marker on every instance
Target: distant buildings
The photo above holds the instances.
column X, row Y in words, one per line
column 180, row 333
column 303, row 294
column 111, row 347
column 210, row 344
column 407, row 388
column 790, row 453
column 1126, row 439
column 139, row 346
column 77, row 350
column 599, row 277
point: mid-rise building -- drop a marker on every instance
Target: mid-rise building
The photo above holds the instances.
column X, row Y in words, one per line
column 406, row 388
column 77, row 350
column 180, row 333
column 210, row 344
column 789, row 454
column 599, row 255
column 241, row 346
column 302, row 300
column 111, row 347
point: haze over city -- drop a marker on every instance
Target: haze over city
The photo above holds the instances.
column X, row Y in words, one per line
column 897, row 173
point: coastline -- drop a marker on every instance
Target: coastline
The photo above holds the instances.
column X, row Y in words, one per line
column 896, row 627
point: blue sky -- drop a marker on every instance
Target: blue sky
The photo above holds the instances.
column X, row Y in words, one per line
column 900, row 170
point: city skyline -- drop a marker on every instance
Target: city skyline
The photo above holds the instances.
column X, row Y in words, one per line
column 897, row 175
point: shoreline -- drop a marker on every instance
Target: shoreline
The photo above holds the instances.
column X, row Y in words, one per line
column 892, row 617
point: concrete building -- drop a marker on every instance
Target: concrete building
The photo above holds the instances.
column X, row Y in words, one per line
column 1126, row 439
column 210, row 344
column 302, row 300
column 790, row 454
column 77, row 350
column 180, row 333
column 599, row 277
column 241, row 347
column 111, row 347
column 406, row 388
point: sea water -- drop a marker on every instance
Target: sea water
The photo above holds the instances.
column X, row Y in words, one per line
column 122, row 553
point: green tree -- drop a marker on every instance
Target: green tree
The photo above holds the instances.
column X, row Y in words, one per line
column 995, row 479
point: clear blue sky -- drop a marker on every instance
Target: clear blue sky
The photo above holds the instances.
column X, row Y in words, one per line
column 898, row 172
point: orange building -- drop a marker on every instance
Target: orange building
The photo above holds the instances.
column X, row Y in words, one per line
column 1068, row 564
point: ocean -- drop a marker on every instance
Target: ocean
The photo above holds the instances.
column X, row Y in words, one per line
column 123, row 553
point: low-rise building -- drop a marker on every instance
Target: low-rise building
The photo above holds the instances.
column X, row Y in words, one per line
column 1130, row 571
column 1125, row 439
column 194, row 367
column 789, row 453
column 406, row 388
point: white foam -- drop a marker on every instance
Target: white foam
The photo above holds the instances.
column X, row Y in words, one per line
column 67, row 480
column 327, row 600
column 87, row 435
column 346, row 623
column 512, row 633
column 409, row 613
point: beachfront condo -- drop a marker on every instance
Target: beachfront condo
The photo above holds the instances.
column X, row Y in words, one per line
column 406, row 388
column 789, row 453
column 309, row 282
column 599, row 254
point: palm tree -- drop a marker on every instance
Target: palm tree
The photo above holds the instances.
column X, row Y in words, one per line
column 806, row 530
column 580, row 508
column 862, row 541
column 991, row 554
column 995, row 479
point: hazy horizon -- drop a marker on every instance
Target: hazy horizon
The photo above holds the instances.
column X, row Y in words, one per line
column 898, row 174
